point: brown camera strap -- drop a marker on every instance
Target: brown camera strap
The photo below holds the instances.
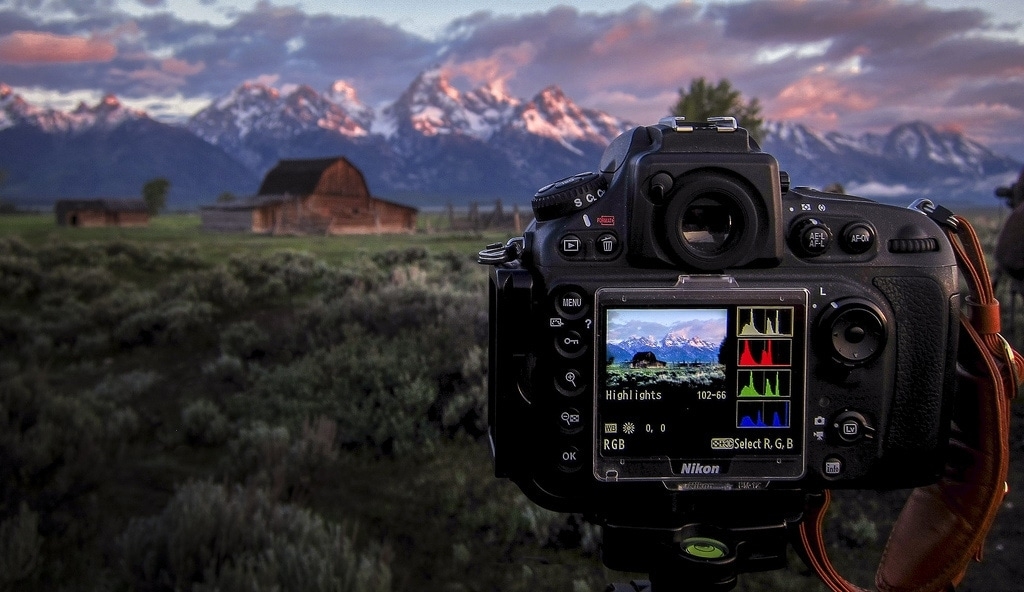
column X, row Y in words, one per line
column 943, row 526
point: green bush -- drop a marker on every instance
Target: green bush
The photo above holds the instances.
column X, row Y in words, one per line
column 217, row 286
column 245, row 340
column 379, row 391
column 212, row 538
column 204, row 424
column 20, row 548
column 54, row 453
column 178, row 322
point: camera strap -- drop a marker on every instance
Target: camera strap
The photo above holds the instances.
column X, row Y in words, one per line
column 944, row 525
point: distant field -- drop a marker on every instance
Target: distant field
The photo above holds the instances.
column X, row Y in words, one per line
column 184, row 229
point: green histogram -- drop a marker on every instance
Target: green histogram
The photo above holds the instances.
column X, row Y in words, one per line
column 768, row 388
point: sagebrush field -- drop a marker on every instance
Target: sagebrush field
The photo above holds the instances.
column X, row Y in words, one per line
column 191, row 411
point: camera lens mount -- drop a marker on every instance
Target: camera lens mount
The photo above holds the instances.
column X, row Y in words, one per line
column 711, row 221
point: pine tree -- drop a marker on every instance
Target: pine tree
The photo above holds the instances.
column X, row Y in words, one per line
column 703, row 100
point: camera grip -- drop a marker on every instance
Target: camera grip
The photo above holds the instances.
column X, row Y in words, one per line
column 920, row 393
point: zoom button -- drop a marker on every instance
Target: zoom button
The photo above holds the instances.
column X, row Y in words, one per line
column 570, row 382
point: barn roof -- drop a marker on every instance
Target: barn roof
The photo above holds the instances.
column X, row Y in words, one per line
column 299, row 176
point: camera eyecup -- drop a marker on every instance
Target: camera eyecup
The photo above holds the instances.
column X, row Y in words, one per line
column 712, row 221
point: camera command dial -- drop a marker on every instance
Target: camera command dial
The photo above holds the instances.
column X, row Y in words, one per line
column 568, row 195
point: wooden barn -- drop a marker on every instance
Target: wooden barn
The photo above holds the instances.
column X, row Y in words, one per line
column 316, row 196
column 87, row 213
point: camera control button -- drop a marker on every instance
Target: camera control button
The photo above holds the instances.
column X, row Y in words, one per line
column 810, row 237
column 570, row 246
column 570, row 382
column 854, row 330
column 857, row 238
column 607, row 244
column 570, row 344
column 571, row 304
column 832, row 467
column 569, row 459
column 851, row 427
column 570, row 421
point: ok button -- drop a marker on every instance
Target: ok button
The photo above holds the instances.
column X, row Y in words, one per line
column 570, row 343
column 570, row 459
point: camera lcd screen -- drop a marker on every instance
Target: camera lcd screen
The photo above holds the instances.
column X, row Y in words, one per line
column 700, row 385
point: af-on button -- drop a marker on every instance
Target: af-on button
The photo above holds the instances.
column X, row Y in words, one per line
column 857, row 238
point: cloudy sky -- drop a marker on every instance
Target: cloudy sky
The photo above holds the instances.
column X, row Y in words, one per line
column 848, row 65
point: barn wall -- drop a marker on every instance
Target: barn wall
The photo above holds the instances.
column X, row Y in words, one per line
column 380, row 217
column 87, row 218
column 128, row 219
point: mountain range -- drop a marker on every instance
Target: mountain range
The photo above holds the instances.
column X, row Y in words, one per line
column 692, row 341
column 432, row 145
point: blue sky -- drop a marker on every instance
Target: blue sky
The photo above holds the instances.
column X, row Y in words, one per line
column 847, row 65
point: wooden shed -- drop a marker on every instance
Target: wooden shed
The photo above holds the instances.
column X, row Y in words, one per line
column 312, row 196
column 101, row 212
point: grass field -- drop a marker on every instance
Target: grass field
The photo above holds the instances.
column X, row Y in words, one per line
column 183, row 230
column 184, row 410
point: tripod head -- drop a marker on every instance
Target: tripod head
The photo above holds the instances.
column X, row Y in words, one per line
column 710, row 544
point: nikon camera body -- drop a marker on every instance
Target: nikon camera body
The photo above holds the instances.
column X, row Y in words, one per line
column 681, row 346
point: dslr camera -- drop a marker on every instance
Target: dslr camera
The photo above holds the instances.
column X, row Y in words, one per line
column 683, row 348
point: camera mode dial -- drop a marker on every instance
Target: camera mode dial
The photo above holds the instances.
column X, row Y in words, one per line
column 568, row 195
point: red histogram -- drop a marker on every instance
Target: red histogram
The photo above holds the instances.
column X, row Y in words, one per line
column 765, row 352
column 747, row 358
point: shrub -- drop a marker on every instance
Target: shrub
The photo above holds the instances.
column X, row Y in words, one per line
column 244, row 339
column 54, row 453
column 20, row 546
column 204, row 424
column 212, row 538
column 216, row 286
column 226, row 372
column 379, row 391
column 171, row 323
column 125, row 388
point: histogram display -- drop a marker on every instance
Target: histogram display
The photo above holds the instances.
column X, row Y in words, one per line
column 759, row 389
column 711, row 388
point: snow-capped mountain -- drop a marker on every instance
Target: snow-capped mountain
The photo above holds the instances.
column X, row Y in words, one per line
column 911, row 160
column 689, row 341
column 431, row 106
column 108, row 113
column 553, row 115
column 107, row 150
column 251, row 120
column 433, row 144
column 432, row 140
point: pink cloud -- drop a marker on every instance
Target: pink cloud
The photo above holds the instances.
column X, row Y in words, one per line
column 818, row 98
column 32, row 47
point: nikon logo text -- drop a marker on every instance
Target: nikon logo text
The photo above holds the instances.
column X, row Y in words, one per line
column 699, row 469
